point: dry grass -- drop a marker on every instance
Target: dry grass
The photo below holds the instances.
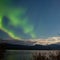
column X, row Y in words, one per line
column 52, row 56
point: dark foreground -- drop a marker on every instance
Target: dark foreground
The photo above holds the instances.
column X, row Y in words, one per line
column 11, row 52
column 30, row 55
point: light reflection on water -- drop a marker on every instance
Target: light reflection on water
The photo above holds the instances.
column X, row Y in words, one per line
column 26, row 54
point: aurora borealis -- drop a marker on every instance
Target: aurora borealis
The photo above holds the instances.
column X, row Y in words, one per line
column 23, row 19
column 15, row 19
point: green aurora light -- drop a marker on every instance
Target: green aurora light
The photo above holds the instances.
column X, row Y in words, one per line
column 12, row 13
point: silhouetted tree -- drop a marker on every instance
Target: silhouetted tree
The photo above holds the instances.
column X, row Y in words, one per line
column 2, row 50
column 58, row 56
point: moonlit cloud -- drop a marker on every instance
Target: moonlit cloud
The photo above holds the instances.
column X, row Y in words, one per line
column 31, row 42
column 50, row 40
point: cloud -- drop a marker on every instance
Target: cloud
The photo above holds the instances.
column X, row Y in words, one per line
column 50, row 40
column 31, row 42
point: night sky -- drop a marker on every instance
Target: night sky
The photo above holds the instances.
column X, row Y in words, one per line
column 29, row 19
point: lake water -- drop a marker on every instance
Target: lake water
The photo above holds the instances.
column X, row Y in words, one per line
column 26, row 54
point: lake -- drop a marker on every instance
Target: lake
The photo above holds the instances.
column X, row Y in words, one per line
column 26, row 54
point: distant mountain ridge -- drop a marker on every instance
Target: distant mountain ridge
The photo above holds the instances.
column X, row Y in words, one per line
column 16, row 46
column 35, row 47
